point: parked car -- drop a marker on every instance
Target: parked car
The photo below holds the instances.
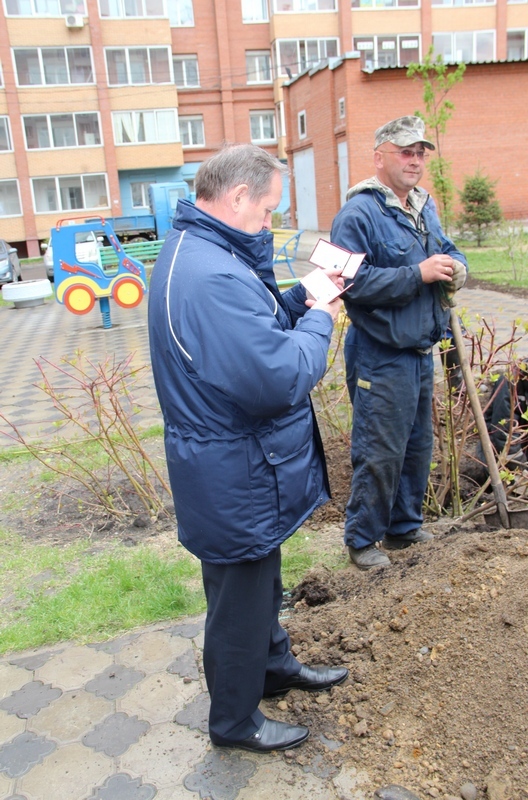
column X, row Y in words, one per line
column 87, row 249
column 9, row 264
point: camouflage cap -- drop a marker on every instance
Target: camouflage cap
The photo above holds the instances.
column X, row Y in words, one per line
column 402, row 132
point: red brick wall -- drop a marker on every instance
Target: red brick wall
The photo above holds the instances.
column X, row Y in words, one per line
column 488, row 128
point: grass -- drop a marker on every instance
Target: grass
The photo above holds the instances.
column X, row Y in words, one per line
column 69, row 593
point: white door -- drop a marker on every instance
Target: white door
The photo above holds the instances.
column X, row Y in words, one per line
column 305, row 194
column 342, row 165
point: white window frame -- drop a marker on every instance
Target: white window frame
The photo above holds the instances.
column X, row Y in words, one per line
column 4, row 121
column 258, row 70
column 462, row 3
column 524, row 32
column 137, row 120
column 181, row 13
column 83, row 178
column 39, row 51
column 144, row 189
column 382, row 5
column 186, row 122
column 263, row 115
column 255, row 11
column 301, row 124
column 184, row 60
column 17, row 187
column 453, row 54
column 149, row 51
column 63, row 8
column 322, row 43
column 400, row 39
column 304, row 6
column 341, row 108
column 118, row 9
column 50, row 131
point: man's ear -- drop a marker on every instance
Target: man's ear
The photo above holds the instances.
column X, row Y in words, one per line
column 237, row 195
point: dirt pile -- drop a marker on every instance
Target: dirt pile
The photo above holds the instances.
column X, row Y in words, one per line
column 437, row 647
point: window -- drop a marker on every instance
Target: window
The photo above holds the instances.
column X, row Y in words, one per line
column 131, row 8
column 185, row 71
column 44, row 8
column 387, row 51
column 296, row 55
column 465, row 46
column 138, row 65
column 462, row 2
column 517, row 49
column 262, row 125
column 192, row 131
column 140, row 194
column 61, row 130
column 181, row 13
column 145, row 127
column 9, row 199
column 303, row 5
column 5, row 135
column 255, row 11
column 301, row 124
column 48, row 66
column 385, row 3
column 258, row 66
column 69, row 192
column 341, row 107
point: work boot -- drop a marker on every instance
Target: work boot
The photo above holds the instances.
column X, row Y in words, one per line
column 417, row 536
column 368, row 557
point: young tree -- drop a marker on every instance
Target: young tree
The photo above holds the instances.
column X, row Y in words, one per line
column 438, row 79
column 481, row 211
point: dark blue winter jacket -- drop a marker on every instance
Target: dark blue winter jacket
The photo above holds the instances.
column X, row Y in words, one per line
column 234, row 362
column 388, row 298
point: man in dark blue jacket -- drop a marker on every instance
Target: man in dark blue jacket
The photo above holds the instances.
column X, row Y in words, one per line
column 234, row 362
column 399, row 308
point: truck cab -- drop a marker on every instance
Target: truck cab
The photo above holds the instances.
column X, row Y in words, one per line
column 163, row 198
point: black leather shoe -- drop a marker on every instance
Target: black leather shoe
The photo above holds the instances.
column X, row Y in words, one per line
column 312, row 679
column 271, row 735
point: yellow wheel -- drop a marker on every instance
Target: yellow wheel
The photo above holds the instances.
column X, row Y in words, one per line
column 128, row 293
column 79, row 299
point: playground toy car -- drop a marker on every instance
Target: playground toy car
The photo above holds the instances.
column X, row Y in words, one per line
column 79, row 284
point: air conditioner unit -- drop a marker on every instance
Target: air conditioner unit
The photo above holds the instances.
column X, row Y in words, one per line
column 74, row 21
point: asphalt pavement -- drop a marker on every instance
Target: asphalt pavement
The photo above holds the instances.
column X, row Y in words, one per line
column 127, row 719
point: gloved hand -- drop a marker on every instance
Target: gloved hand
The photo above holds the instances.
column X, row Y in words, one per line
column 449, row 288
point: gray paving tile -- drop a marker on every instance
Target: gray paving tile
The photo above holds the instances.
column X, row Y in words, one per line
column 195, row 715
column 188, row 629
column 185, row 666
column 22, row 753
column 220, row 776
column 115, row 734
column 115, row 645
column 114, row 682
column 123, row 787
column 32, row 662
column 27, row 701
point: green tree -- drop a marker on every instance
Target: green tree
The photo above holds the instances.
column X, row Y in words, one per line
column 481, row 211
column 438, row 79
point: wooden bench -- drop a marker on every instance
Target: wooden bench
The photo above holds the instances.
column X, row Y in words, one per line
column 285, row 245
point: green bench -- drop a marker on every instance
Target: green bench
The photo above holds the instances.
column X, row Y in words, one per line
column 143, row 251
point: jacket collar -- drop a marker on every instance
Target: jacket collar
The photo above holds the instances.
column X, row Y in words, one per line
column 254, row 249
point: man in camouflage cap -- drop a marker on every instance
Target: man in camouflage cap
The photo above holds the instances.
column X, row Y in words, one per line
column 398, row 305
column 403, row 132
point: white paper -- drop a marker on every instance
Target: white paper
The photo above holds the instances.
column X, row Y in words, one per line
column 320, row 286
column 327, row 256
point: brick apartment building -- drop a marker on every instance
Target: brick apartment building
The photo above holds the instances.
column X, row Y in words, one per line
column 100, row 98
column 334, row 109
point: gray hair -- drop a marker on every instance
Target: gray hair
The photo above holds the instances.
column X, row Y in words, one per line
column 235, row 164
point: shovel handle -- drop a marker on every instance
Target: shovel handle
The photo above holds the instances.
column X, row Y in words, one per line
column 496, row 484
